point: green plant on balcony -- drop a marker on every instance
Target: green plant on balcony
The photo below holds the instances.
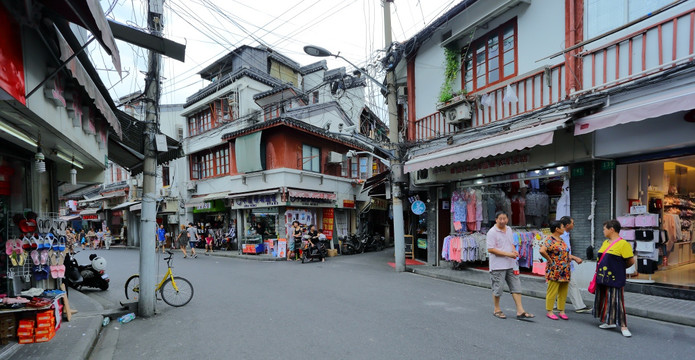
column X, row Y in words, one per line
column 452, row 66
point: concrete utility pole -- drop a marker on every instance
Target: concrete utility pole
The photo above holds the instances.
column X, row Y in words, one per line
column 148, row 222
column 396, row 168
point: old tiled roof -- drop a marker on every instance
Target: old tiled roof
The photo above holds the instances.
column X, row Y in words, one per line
column 252, row 73
column 275, row 90
column 308, row 69
column 283, row 59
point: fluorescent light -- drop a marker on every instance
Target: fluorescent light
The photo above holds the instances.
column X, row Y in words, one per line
column 70, row 160
column 479, row 181
column 537, row 171
column 551, row 172
column 17, row 134
column 560, row 168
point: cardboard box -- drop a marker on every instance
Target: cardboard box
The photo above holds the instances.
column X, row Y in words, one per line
column 43, row 331
column 332, row 252
column 45, row 324
column 26, row 324
column 44, row 338
column 26, row 340
column 25, row 332
column 45, row 317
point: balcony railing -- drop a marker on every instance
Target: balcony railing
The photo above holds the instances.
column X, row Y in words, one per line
column 653, row 49
column 534, row 90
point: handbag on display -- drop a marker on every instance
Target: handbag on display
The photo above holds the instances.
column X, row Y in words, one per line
column 592, row 284
column 627, row 234
column 647, row 220
column 626, row 221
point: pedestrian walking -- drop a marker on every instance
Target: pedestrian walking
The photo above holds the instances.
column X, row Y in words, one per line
column 192, row 238
column 557, row 271
column 91, row 236
column 98, row 239
column 83, row 238
column 108, row 237
column 182, row 239
column 573, row 292
column 615, row 255
column 71, row 238
column 503, row 261
column 161, row 238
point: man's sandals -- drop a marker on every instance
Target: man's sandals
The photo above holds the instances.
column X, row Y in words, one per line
column 499, row 315
column 525, row 316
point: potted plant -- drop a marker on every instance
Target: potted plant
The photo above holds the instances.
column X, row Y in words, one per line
column 447, row 96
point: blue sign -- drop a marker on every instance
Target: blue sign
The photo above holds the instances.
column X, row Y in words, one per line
column 418, row 207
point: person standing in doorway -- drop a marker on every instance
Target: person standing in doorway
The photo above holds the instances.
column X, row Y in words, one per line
column 503, row 255
column 161, row 238
column 573, row 291
column 181, row 240
column 615, row 255
column 192, row 239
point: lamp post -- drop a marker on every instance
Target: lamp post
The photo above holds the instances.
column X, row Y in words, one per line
column 398, row 227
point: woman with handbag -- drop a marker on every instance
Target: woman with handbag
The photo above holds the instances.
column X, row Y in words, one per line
column 615, row 256
column 558, row 270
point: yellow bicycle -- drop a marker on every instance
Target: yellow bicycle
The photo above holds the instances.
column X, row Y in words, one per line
column 175, row 290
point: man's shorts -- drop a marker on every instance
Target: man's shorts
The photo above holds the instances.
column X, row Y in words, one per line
column 508, row 276
column 192, row 244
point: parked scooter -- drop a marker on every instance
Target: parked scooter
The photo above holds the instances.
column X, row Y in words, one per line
column 374, row 242
column 350, row 245
column 90, row 275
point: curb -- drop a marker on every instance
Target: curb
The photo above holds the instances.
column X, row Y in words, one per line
column 632, row 310
column 84, row 346
column 249, row 257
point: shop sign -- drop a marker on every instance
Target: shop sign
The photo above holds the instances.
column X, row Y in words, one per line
column 379, row 204
column 349, row 204
column 256, row 201
column 328, row 223
column 90, row 217
column 578, row 171
column 11, row 61
column 208, row 206
column 302, row 202
column 422, row 243
column 608, row 165
column 204, row 206
column 485, row 164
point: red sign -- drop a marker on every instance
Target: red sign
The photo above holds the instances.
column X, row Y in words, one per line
column 350, row 204
column 11, row 61
column 328, row 223
column 90, row 217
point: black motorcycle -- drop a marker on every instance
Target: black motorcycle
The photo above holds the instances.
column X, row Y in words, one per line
column 317, row 252
column 350, row 245
column 91, row 275
column 374, row 242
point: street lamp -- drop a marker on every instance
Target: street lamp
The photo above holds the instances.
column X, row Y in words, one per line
column 318, row 51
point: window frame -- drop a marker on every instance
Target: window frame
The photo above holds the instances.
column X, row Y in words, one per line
column 314, row 156
column 213, row 162
column 166, row 180
column 497, row 32
column 625, row 20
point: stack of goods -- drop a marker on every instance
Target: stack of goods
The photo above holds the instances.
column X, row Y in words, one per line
column 7, row 328
column 642, row 232
column 25, row 331
column 45, row 326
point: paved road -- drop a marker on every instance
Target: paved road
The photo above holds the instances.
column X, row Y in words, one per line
column 357, row 307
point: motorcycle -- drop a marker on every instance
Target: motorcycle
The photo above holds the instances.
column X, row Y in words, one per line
column 350, row 245
column 310, row 253
column 90, row 275
column 374, row 242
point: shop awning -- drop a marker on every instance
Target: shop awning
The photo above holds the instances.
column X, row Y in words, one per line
column 114, row 194
column 305, row 194
column 252, row 193
column 193, row 202
column 125, row 205
column 96, row 198
column 646, row 107
column 136, row 207
column 376, row 180
column 248, row 152
column 69, row 217
column 92, row 211
column 489, row 146
column 216, row 196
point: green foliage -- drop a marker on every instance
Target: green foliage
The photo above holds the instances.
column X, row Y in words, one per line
column 452, row 62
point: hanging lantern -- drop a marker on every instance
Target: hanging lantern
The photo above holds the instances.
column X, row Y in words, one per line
column 73, row 176
column 40, row 163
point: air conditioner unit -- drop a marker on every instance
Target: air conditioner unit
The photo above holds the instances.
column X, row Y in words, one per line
column 335, row 158
column 459, row 115
column 191, row 186
column 179, row 133
column 166, row 192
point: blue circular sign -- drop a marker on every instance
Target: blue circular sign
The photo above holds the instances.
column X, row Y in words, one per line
column 418, row 207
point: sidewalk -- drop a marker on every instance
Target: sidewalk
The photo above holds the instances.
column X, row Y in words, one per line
column 74, row 339
column 652, row 307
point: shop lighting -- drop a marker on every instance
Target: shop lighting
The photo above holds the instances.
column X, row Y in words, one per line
column 479, row 181
column 551, row 172
column 537, row 171
column 70, row 160
column 17, row 134
column 40, row 163
column 73, row 176
column 560, row 168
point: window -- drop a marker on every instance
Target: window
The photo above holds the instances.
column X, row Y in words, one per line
column 165, row 175
column 311, row 158
column 606, row 15
column 354, row 170
column 200, row 122
column 210, row 163
column 491, row 58
column 363, row 167
column 315, row 97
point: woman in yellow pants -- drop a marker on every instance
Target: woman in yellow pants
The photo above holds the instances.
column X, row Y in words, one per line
column 557, row 271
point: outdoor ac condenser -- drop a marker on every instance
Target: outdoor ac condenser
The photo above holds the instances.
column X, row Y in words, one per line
column 335, row 158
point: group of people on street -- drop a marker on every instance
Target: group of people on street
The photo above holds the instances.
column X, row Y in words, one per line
column 615, row 256
column 92, row 239
column 296, row 246
column 188, row 236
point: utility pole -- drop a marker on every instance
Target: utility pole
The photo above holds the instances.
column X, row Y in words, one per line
column 396, row 168
column 148, row 223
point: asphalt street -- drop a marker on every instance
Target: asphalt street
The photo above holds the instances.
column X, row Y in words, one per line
column 355, row 307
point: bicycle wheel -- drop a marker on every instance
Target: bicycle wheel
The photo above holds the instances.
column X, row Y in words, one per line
column 177, row 298
column 132, row 287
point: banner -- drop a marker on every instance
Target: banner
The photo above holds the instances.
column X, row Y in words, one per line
column 328, row 223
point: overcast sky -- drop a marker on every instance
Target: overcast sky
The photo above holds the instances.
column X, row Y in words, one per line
column 211, row 28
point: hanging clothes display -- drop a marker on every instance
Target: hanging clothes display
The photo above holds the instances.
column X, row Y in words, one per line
column 563, row 205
